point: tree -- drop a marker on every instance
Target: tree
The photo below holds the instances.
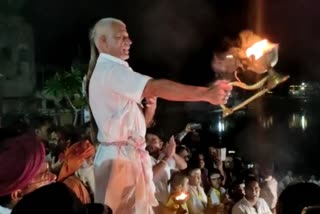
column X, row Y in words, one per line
column 68, row 85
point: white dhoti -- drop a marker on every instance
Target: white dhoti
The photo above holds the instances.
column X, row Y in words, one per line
column 124, row 178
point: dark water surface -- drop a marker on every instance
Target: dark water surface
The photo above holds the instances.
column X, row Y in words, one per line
column 283, row 130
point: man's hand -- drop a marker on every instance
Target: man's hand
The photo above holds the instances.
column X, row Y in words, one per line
column 151, row 102
column 149, row 110
column 219, row 92
column 170, row 149
column 188, row 128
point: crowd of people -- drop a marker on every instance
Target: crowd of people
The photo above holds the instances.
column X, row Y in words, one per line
column 49, row 169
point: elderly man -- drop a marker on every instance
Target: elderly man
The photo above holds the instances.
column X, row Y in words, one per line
column 77, row 171
column 22, row 170
column 123, row 168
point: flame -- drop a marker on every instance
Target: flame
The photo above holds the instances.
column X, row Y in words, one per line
column 257, row 49
column 181, row 197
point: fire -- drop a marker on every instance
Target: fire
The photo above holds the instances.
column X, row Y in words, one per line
column 181, row 197
column 257, row 49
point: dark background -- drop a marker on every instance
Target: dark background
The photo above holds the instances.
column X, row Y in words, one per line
column 177, row 38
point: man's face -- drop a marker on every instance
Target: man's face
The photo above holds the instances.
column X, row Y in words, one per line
column 228, row 163
column 119, row 42
column 252, row 190
column 154, row 143
column 195, row 177
column 184, row 154
column 215, row 180
column 42, row 178
column 42, row 132
column 213, row 152
column 201, row 161
column 54, row 137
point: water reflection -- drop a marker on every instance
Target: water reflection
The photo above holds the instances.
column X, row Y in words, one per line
column 283, row 129
column 266, row 122
column 220, row 125
column 297, row 120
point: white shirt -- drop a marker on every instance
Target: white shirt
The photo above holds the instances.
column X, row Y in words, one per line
column 269, row 191
column 114, row 92
column 161, row 182
column 198, row 200
column 4, row 210
column 244, row 207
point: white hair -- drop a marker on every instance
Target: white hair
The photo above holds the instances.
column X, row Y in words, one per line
column 103, row 27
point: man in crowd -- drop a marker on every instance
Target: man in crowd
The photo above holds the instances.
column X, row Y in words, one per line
column 41, row 125
column 123, row 168
column 164, row 161
column 251, row 203
column 269, row 186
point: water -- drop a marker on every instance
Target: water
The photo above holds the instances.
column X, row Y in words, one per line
column 282, row 130
column 279, row 129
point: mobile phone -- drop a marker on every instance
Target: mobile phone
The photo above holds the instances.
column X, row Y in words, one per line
column 195, row 126
column 222, row 154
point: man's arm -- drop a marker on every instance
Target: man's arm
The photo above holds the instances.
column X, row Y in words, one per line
column 181, row 135
column 169, row 90
column 159, row 168
column 169, row 151
column 181, row 164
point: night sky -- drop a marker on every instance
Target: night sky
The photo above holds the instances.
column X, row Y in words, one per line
column 176, row 39
column 172, row 39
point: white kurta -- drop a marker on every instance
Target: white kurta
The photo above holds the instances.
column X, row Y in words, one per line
column 123, row 168
column 269, row 192
column 198, row 200
column 244, row 207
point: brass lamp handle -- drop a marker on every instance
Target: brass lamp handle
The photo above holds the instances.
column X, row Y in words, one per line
column 250, row 87
column 270, row 82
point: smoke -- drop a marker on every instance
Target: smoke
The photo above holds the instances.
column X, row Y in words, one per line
column 228, row 61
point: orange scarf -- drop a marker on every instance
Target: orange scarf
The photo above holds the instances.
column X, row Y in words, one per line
column 74, row 157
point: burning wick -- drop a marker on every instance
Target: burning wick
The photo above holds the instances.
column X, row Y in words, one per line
column 257, row 49
column 181, row 197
